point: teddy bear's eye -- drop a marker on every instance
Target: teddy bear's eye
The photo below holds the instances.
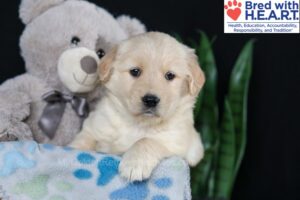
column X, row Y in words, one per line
column 100, row 53
column 75, row 40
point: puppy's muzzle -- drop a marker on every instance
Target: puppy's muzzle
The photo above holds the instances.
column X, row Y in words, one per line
column 150, row 100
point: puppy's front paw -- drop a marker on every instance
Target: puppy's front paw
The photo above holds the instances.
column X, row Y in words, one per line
column 134, row 167
column 195, row 157
column 195, row 152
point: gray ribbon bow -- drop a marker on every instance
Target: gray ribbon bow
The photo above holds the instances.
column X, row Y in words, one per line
column 54, row 110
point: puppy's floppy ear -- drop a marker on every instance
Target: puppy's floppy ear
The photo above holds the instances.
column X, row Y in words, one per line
column 196, row 76
column 105, row 66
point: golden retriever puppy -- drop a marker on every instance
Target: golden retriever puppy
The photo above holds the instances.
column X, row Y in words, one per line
column 150, row 82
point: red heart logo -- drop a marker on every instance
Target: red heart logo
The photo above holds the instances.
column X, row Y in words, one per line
column 234, row 13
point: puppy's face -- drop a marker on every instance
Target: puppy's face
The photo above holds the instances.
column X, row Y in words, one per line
column 152, row 75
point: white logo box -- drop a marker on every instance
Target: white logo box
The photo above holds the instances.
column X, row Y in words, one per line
column 261, row 16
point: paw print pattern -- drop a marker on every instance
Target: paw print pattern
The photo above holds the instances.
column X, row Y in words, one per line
column 133, row 191
column 163, row 183
column 37, row 188
column 107, row 168
column 233, row 9
column 139, row 190
column 15, row 159
column 83, row 174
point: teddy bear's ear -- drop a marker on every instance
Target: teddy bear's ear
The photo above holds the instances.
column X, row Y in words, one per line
column 132, row 26
column 30, row 9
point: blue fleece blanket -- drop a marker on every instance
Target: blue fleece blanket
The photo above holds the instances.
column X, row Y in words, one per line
column 31, row 171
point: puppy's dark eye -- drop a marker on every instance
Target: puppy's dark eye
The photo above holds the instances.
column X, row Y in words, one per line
column 170, row 76
column 135, row 72
column 100, row 53
column 75, row 40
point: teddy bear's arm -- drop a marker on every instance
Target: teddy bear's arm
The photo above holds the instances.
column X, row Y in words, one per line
column 16, row 97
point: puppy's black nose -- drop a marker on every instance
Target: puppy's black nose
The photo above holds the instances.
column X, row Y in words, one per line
column 150, row 100
column 88, row 65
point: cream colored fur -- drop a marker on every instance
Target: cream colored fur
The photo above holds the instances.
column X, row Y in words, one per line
column 119, row 124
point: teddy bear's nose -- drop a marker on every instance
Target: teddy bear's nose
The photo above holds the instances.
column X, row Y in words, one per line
column 88, row 64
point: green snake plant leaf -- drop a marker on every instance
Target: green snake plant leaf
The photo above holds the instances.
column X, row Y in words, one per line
column 226, row 155
column 206, row 117
column 238, row 95
column 206, row 102
column 200, row 175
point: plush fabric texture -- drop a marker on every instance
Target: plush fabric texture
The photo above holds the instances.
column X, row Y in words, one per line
column 31, row 171
column 50, row 27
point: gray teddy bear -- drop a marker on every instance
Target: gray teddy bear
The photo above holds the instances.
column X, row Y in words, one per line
column 62, row 44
